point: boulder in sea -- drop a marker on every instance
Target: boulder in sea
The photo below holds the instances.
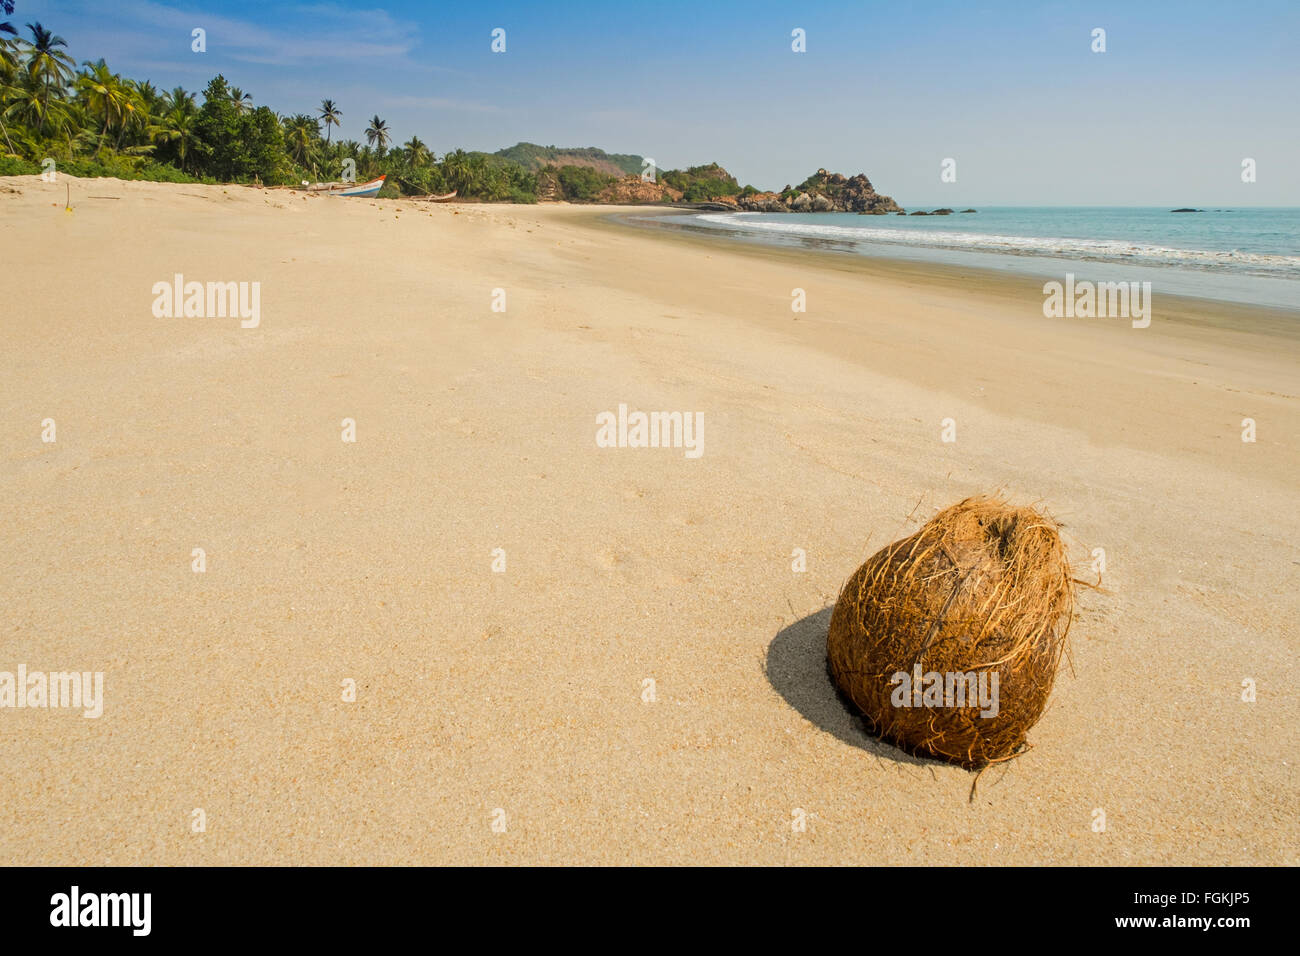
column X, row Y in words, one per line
column 968, row 210
column 942, row 212
column 918, row 213
column 1186, row 210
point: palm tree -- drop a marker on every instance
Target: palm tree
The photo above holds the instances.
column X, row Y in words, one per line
column 416, row 152
column 8, row 7
column 179, row 99
column 6, row 94
column 29, row 104
column 330, row 116
column 347, row 149
column 301, row 129
column 496, row 182
column 178, row 127
column 150, row 97
column 143, row 106
column 462, row 172
column 47, row 63
column 365, row 161
column 243, row 101
column 8, row 65
column 377, row 132
column 8, row 61
column 103, row 94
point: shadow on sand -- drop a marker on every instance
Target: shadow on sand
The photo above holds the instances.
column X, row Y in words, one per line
column 796, row 669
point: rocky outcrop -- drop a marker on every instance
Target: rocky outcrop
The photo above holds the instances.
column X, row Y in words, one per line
column 713, row 187
column 631, row 191
column 822, row 192
column 548, row 186
column 763, row 202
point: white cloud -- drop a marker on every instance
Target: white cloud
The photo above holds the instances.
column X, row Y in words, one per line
column 322, row 33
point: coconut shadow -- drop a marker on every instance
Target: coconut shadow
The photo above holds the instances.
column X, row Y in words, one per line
column 796, row 669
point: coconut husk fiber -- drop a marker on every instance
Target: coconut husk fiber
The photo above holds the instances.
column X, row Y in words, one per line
column 983, row 587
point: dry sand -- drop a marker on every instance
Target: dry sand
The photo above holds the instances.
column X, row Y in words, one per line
column 523, row 690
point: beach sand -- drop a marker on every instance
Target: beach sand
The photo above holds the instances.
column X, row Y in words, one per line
column 525, row 691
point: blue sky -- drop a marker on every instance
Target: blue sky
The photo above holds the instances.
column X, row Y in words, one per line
column 1012, row 91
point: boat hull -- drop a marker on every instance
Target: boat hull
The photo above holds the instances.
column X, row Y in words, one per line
column 447, row 197
column 360, row 189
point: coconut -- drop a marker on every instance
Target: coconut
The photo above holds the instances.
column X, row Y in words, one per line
column 948, row 641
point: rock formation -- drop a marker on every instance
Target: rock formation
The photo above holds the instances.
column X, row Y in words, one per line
column 823, row 192
column 548, row 186
column 631, row 191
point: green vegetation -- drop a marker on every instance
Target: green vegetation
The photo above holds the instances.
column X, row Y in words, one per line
column 581, row 183
column 94, row 122
column 119, row 167
column 702, row 183
column 535, row 158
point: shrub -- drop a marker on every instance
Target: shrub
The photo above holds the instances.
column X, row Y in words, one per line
column 582, row 182
column 13, row 166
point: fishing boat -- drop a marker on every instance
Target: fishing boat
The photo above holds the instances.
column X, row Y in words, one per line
column 348, row 189
column 445, row 197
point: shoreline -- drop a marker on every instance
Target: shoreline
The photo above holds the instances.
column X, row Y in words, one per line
column 1278, row 320
column 1192, row 343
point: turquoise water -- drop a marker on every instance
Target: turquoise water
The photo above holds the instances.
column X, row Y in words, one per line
column 1240, row 254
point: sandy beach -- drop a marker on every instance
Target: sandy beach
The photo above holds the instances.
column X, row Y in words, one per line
column 641, row 679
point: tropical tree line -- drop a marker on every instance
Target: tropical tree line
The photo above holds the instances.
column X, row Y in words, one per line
column 93, row 121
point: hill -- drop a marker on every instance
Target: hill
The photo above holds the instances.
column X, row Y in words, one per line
column 705, row 183
column 534, row 158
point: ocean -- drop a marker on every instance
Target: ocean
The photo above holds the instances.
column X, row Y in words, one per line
column 1249, row 255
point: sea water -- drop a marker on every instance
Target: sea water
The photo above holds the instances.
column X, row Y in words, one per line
column 1236, row 254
